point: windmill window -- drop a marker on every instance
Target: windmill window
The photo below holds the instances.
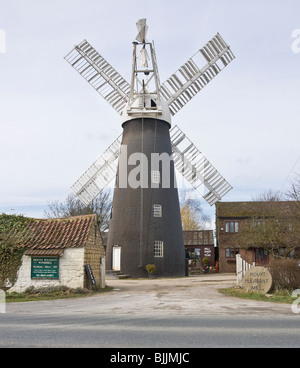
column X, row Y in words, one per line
column 157, row 210
column 155, row 176
column 158, row 248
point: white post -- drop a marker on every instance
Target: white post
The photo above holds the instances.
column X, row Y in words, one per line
column 102, row 273
column 239, row 269
column 2, row 301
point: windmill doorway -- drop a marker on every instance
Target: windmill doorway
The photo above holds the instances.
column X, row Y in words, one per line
column 116, row 258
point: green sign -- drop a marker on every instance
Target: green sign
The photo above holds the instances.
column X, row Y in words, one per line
column 44, row 267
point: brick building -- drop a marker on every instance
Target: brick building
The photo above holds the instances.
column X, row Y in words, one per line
column 59, row 251
column 232, row 218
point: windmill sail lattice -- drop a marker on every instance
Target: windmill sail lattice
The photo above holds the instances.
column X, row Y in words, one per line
column 99, row 174
column 190, row 78
column 195, row 168
column 188, row 160
column 100, row 75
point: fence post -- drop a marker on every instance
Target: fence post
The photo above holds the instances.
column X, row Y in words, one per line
column 239, row 269
column 2, row 301
column 102, row 273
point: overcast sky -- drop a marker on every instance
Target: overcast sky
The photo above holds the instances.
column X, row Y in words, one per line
column 54, row 125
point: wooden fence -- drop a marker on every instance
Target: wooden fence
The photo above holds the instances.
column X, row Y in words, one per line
column 241, row 268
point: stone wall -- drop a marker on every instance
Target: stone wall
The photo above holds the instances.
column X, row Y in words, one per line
column 94, row 250
column 71, row 272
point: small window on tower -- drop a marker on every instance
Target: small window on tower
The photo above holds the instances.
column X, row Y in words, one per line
column 158, row 248
column 155, row 176
column 157, row 210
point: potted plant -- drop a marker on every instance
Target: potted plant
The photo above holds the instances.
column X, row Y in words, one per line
column 151, row 269
column 205, row 262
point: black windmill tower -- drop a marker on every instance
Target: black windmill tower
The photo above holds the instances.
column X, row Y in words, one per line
column 145, row 227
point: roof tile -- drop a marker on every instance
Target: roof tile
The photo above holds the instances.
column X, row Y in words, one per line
column 71, row 232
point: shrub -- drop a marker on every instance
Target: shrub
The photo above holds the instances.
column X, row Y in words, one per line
column 205, row 261
column 285, row 274
column 46, row 289
column 151, row 268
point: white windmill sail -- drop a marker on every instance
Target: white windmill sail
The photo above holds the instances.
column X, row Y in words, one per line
column 190, row 78
column 195, row 168
column 100, row 75
column 99, row 174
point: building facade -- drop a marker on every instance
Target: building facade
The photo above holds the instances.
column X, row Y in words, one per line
column 198, row 245
column 257, row 231
column 62, row 252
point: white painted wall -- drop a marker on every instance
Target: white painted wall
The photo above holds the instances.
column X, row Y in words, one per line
column 71, row 272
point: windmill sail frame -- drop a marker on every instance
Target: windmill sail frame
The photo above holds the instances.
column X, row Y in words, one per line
column 100, row 75
column 190, row 78
column 195, row 167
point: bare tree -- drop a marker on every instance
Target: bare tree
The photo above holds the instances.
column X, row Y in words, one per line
column 72, row 206
column 192, row 216
column 275, row 229
column 276, row 226
column 293, row 193
column 268, row 196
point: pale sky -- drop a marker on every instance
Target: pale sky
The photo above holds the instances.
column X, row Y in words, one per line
column 54, row 125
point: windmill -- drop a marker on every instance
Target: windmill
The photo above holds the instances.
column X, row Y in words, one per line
column 145, row 226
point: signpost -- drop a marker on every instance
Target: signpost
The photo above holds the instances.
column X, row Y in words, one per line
column 44, row 267
column 257, row 279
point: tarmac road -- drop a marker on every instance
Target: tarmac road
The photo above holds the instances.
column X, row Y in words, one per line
column 162, row 313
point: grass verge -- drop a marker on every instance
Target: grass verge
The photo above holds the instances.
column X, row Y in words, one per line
column 280, row 296
column 59, row 293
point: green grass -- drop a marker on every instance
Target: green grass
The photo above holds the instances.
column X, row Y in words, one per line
column 56, row 294
column 280, row 296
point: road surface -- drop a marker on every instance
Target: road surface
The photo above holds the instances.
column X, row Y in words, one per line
column 162, row 313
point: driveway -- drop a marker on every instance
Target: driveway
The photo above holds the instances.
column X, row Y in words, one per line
column 196, row 295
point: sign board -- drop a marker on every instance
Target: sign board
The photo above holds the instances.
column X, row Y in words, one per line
column 44, row 267
column 257, row 279
column 207, row 252
column 90, row 274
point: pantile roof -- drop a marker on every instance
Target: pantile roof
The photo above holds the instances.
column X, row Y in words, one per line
column 52, row 236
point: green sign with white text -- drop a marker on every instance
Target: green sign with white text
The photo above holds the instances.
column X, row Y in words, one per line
column 44, row 267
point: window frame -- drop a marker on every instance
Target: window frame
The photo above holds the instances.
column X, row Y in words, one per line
column 231, row 227
column 158, row 248
column 157, row 210
column 232, row 252
column 155, row 176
